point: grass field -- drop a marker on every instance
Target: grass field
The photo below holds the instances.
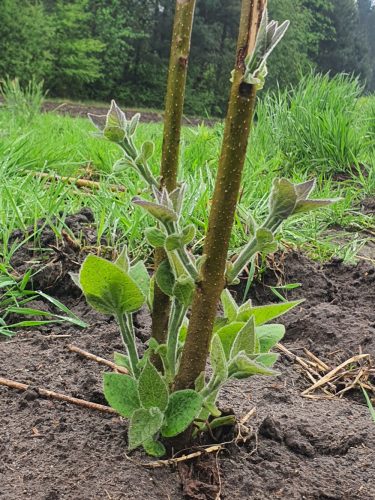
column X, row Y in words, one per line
column 322, row 129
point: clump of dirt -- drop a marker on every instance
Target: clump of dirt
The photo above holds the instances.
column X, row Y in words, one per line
column 50, row 258
column 368, row 206
column 299, row 448
column 338, row 313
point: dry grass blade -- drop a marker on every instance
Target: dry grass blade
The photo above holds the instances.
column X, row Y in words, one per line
column 183, row 458
column 353, row 373
column 330, row 377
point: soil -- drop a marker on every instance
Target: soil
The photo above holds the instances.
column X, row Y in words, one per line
column 77, row 109
column 298, row 448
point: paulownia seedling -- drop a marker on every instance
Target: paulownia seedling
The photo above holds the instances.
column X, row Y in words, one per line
column 164, row 399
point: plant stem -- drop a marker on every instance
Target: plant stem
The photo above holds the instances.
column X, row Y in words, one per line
column 175, row 322
column 227, row 186
column 250, row 249
column 243, row 258
column 180, row 49
column 128, row 337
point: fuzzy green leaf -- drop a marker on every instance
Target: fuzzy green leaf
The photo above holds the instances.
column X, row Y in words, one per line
column 303, row 206
column 123, row 164
column 165, row 278
column 244, row 311
column 114, row 134
column 153, row 391
column 140, row 275
column 229, row 305
column 242, row 367
column 210, row 404
column 122, row 360
column 122, row 260
column 132, row 124
column 218, row 359
column 147, row 150
column 144, row 424
column 154, row 448
column 283, row 199
column 263, row 314
column 265, row 241
column 121, row 392
column 183, row 290
column 245, row 340
column 160, row 212
column 219, row 323
column 155, row 237
column 267, row 359
column 188, row 234
column 183, row 407
column 108, row 288
column 183, row 330
column 269, row 335
column 227, row 335
column 200, row 381
column 173, row 241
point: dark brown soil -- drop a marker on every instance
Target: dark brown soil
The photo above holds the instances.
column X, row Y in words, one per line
column 300, row 449
column 77, row 109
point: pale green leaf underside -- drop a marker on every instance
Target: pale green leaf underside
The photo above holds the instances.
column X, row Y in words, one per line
column 153, row 391
column 121, row 393
column 144, row 424
column 183, row 407
column 108, row 288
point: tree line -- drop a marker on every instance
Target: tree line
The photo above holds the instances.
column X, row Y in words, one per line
column 99, row 49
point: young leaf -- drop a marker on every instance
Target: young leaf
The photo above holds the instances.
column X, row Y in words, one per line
column 244, row 311
column 147, row 150
column 122, row 360
column 121, row 393
column 200, row 381
column 229, row 305
column 283, row 199
column 183, row 290
column 108, row 288
column 308, row 205
column 160, row 212
column 227, row 335
column 263, row 314
column 219, row 323
column 183, row 330
column 153, row 391
column 269, row 335
column 218, row 359
column 183, row 407
column 154, row 448
column 122, row 260
column 210, row 404
column 242, row 367
column 140, row 275
column 132, row 124
column 188, row 234
column 265, row 241
column 165, row 278
column 268, row 359
column 114, row 134
column 155, row 237
column 173, row 241
column 246, row 339
column 144, row 424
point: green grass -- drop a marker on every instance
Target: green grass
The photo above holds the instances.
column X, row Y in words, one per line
column 321, row 129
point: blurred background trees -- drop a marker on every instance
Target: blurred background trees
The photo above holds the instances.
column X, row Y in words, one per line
column 99, row 49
